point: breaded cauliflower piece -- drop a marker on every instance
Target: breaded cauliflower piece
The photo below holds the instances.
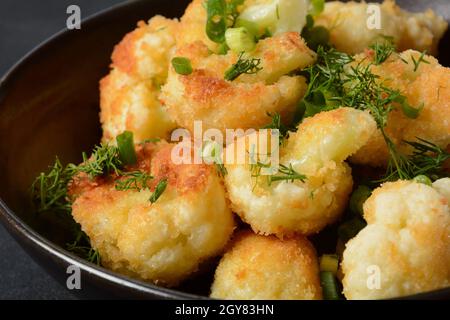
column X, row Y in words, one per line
column 350, row 33
column 318, row 150
column 245, row 102
column 129, row 94
column 145, row 52
column 260, row 267
column 428, row 85
column 193, row 26
column 165, row 241
column 407, row 240
column 129, row 104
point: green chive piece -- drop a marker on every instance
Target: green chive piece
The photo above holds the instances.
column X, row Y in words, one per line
column 182, row 65
column 125, row 144
column 160, row 187
column 423, row 179
column 357, row 199
column 240, row 39
column 330, row 263
column 329, row 285
column 216, row 22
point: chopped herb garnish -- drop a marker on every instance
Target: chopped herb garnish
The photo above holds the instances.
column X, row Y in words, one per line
column 278, row 125
column 104, row 160
column 243, row 66
column 419, row 61
column 182, row 65
column 383, row 50
column 135, row 180
column 160, row 187
column 287, row 173
column 125, row 144
column 49, row 190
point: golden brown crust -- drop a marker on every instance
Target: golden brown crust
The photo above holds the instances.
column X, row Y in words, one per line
column 428, row 85
column 264, row 267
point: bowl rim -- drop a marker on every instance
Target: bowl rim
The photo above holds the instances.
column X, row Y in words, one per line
column 16, row 225
column 18, row 228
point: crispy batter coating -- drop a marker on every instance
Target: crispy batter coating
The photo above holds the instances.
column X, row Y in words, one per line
column 144, row 53
column 428, row 85
column 129, row 104
column 318, row 150
column 165, row 241
column 407, row 240
column 260, row 267
column 129, row 94
column 349, row 29
column 193, row 25
column 243, row 103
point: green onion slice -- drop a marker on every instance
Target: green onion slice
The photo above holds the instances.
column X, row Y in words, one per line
column 182, row 65
column 125, row 144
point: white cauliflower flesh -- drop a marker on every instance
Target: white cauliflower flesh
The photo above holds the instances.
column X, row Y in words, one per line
column 318, row 150
column 405, row 248
column 260, row 267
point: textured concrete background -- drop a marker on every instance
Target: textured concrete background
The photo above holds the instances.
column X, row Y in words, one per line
column 23, row 25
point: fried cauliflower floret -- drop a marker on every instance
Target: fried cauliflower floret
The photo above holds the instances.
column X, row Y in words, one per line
column 245, row 102
column 260, row 267
column 407, row 240
column 129, row 94
column 317, row 150
column 349, row 26
column 128, row 104
column 193, row 26
column 165, row 241
column 429, row 86
column 145, row 52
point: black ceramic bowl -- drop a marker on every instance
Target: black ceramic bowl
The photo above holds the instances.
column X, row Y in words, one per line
column 49, row 106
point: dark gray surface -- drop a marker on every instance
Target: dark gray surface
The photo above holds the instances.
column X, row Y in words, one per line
column 23, row 25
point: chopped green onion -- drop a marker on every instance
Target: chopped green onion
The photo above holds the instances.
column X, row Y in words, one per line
column 329, row 285
column 160, row 187
column 408, row 110
column 357, row 199
column 182, row 65
column 329, row 262
column 250, row 26
column 423, row 179
column 317, row 7
column 349, row 229
column 125, row 144
column 240, row 39
column 222, row 49
column 216, row 22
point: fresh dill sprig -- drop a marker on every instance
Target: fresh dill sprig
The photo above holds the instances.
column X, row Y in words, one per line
column 276, row 124
column 105, row 159
column 49, row 190
column 135, row 180
column 287, row 173
column 82, row 248
column 243, row 66
column 419, row 61
column 383, row 50
column 426, row 159
column 160, row 187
